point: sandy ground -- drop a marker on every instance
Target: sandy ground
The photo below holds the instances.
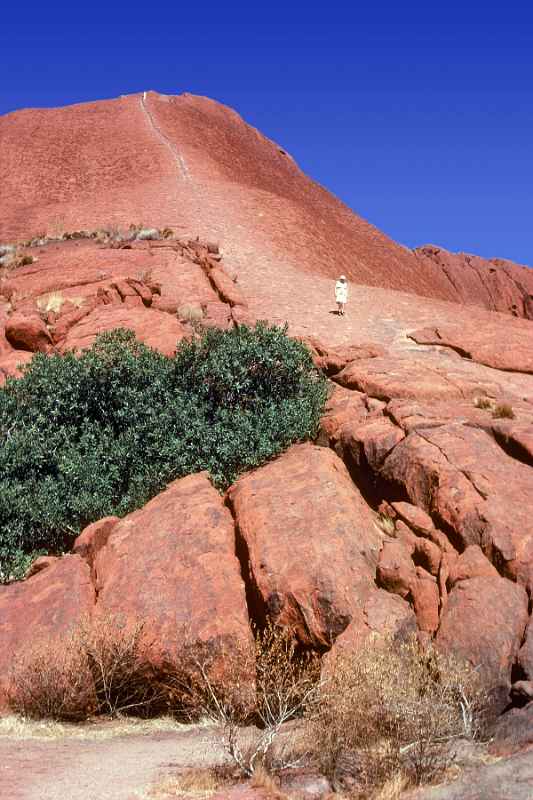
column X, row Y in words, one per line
column 99, row 762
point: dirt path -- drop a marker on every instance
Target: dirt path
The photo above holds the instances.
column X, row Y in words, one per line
column 121, row 768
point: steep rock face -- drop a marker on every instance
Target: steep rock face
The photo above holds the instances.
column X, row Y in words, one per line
column 172, row 565
column 495, row 283
column 194, row 164
column 310, row 541
column 43, row 608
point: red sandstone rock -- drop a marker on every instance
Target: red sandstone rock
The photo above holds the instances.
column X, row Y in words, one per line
column 230, row 184
column 516, row 437
column 384, row 614
column 43, row 562
column 92, row 538
column 471, row 564
column 311, row 542
column 226, row 288
column 461, row 476
column 44, row 607
column 525, row 656
column 154, row 328
column 483, row 622
column 499, row 345
column 343, row 406
column 28, row 333
column 172, row 565
column 11, row 364
column 405, row 377
column 425, row 594
column 333, row 359
column 396, row 570
column 370, row 442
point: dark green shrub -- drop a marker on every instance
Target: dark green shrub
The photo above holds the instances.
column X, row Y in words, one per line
column 104, row 432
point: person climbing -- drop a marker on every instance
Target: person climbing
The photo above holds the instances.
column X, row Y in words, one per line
column 341, row 294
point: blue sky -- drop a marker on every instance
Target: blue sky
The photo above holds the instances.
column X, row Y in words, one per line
column 419, row 115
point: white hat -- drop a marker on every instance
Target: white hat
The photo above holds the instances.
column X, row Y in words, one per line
column 342, row 278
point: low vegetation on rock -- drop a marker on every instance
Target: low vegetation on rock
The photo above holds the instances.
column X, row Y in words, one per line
column 99, row 434
column 382, row 713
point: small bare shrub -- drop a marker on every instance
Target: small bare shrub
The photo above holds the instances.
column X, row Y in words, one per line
column 98, row 668
column 503, row 411
column 123, row 680
column 264, row 686
column 52, row 680
column 388, row 709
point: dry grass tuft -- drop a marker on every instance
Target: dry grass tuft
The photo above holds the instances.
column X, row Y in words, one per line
column 390, row 709
column 50, row 302
column 195, row 783
column 485, row 403
column 503, row 411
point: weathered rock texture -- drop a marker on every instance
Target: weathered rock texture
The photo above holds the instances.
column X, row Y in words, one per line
column 172, row 564
column 43, row 608
column 310, row 540
column 189, row 161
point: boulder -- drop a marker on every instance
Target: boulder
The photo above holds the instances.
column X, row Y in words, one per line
column 483, row 623
column 426, row 601
column 459, row 475
column 28, row 333
column 343, row 406
column 226, row 288
column 93, row 538
column 156, row 329
column 508, row 779
column 513, row 731
column 516, row 438
column 396, row 571
column 172, row 565
column 333, row 359
column 370, row 442
column 391, row 377
column 384, row 614
column 310, row 541
column 472, row 563
column 43, row 607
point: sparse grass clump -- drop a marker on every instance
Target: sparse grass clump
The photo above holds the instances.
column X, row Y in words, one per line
column 484, row 403
column 503, row 411
column 391, row 711
column 99, row 434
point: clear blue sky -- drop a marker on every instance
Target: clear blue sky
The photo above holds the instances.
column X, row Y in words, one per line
column 419, row 115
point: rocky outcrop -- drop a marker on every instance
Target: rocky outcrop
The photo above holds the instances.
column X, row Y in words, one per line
column 43, row 608
column 172, row 565
column 497, row 345
column 460, row 476
column 483, row 623
column 310, row 543
column 189, row 160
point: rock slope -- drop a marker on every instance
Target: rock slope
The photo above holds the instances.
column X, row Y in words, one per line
column 193, row 164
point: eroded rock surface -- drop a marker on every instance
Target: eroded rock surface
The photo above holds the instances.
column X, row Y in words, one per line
column 310, row 540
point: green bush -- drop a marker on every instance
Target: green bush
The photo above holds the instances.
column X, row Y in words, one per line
column 102, row 433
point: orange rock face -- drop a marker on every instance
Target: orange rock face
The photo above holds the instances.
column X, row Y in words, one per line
column 310, row 540
column 190, row 163
column 44, row 607
column 172, row 564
